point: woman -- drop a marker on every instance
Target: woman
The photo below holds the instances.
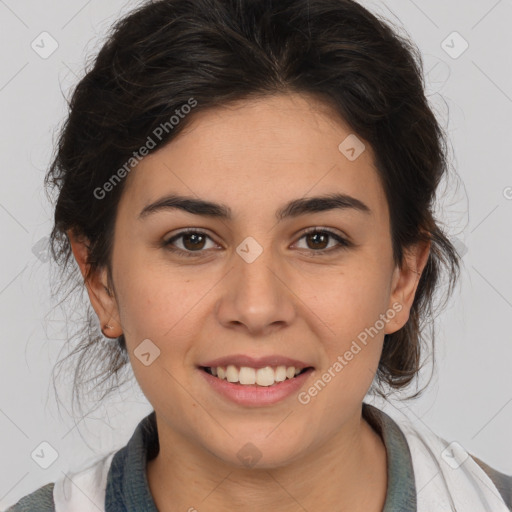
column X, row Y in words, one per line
column 247, row 188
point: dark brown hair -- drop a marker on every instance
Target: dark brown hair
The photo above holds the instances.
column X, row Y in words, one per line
column 220, row 51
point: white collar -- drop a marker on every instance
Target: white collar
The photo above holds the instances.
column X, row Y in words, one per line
column 447, row 478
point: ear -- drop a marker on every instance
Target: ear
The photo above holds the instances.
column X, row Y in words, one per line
column 405, row 282
column 102, row 299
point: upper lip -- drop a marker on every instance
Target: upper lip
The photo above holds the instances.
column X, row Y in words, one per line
column 260, row 362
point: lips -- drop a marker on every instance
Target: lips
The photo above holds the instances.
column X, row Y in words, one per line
column 269, row 388
column 240, row 360
column 263, row 371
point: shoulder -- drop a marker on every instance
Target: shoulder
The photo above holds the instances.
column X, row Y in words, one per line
column 74, row 491
column 41, row 500
column 502, row 481
column 418, row 438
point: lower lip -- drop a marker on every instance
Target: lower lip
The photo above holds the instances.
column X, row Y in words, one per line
column 254, row 395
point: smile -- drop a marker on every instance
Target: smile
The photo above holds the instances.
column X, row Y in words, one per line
column 246, row 376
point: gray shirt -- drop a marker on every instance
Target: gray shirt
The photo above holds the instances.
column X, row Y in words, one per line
column 128, row 490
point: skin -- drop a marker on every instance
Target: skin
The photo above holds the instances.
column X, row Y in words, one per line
column 254, row 157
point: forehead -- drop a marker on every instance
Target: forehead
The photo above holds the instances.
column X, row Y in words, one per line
column 252, row 152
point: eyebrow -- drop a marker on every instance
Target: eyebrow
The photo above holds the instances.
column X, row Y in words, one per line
column 294, row 208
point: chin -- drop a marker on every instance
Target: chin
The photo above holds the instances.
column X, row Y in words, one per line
column 259, row 451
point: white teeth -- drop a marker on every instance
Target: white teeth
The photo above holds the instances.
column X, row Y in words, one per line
column 264, row 376
column 261, row 376
column 290, row 372
column 247, row 375
column 280, row 373
column 232, row 373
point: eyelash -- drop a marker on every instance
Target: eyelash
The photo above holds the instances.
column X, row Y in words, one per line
column 343, row 243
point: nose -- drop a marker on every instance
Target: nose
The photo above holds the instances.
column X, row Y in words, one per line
column 256, row 296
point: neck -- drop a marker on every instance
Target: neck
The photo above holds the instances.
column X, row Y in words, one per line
column 348, row 472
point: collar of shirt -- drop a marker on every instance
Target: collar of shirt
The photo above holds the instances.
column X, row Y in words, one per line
column 128, row 489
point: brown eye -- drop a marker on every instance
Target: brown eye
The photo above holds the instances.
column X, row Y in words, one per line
column 191, row 242
column 317, row 241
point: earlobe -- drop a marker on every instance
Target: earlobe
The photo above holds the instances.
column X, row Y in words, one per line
column 95, row 280
column 405, row 283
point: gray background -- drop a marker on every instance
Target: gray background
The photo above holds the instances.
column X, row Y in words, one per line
column 470, row 398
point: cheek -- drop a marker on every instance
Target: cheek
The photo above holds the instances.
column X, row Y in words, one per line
column 158, row 307
column 152, row 297
column 354, row 307
column 353, row 301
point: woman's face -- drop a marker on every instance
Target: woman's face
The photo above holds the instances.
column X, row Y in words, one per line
column 255, row 285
